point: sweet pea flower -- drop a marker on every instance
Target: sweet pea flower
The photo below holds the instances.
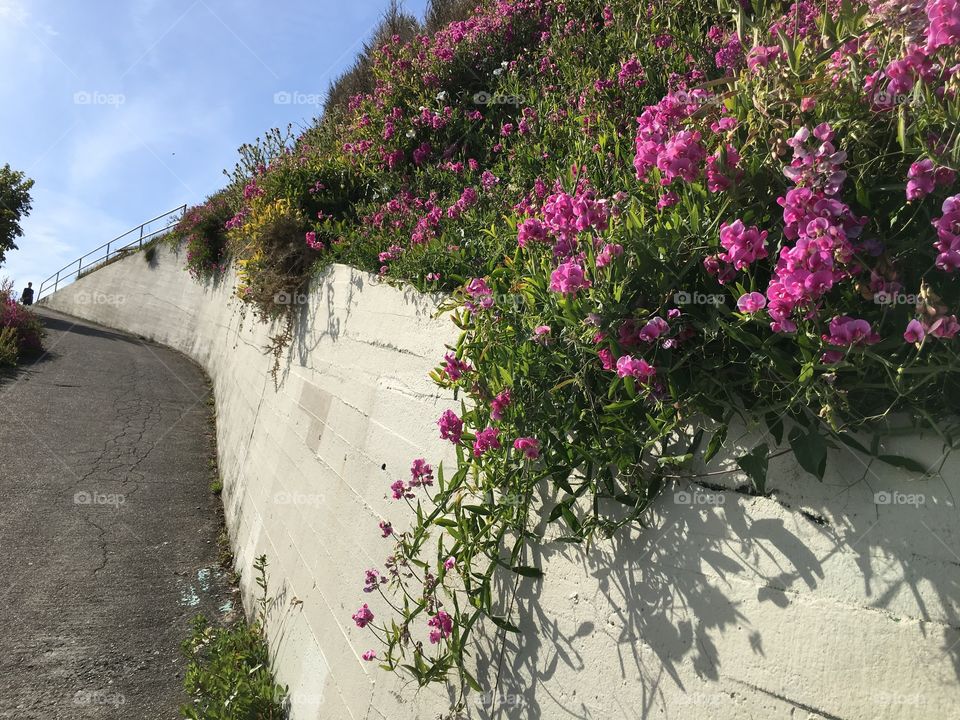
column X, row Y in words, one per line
column 948, row 235
column 541, row 334
column 487, row 439
column 455, row 368
column 568, row 278
column 530, row 447
column 920, row 179
column 531, row 230
column 363, row 616
column 449, row 563
column 499, row 404
column 369, row 655
column 609, row 252
column 451, row 427
column 420, row 473
column 443, row 626
column 914, row 332
column 628, row 366
column 371, row 581
column 606, row 358
column 386, row 529
column 751, row 302
column 744, row 245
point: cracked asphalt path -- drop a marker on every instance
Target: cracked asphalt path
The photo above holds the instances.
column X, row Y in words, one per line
column 107, row 526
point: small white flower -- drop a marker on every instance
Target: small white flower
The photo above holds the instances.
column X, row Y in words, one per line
column 411, row 133
column 498, row 72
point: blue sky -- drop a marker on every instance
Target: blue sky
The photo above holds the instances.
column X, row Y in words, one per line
column 123, row 109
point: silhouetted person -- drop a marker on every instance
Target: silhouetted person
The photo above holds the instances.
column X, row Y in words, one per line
column 26, row 297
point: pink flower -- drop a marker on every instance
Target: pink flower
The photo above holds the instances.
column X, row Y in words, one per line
column 487, row 439
column 312, row 241
column 420, row 473
column 568, row 278
column 609, row 252
column 488, row 180
column 443, row 624
column 944, row 327
column 915, row 332
column 948, row 235
column 449, row 563
column 920, row 179
column 751, row 302
column 371, row 581
column 541, row 333
column 530, row 447
column 846, row 331
column 944, row 27
column 480, row 292
column 386, row 529
column 628, row 366
column 668, row 199
column 606, row 358
column 363, row 616
column 451, row 427
column 455, row 368
column 531, row 230
column 369, row 655
column 499, row 404
column 807, row 104
column 743, row 245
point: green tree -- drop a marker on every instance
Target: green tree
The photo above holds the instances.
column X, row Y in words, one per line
column 15, row 204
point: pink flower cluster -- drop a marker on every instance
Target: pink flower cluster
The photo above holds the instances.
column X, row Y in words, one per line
column 846, row 331
column 569, row 278
column 948, row 235
column 659, row 145
column 480, row 294
column 442, row 625
column 923, row 177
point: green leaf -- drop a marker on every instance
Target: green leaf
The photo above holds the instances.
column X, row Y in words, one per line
column 810, row 449
column 716, row 442
column 902, row 462
column 528, row 571
column 504, row 624
column 754, row 464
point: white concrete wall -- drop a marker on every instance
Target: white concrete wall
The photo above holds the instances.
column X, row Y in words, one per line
column 729, row 607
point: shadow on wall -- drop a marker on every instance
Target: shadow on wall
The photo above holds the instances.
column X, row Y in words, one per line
column 838, row 574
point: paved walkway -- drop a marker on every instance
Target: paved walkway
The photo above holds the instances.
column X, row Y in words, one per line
column 107, row 526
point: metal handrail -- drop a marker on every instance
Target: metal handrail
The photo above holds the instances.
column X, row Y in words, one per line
column 52, row 283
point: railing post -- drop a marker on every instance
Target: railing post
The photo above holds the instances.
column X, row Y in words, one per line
column 140, row 244
column 57, row 283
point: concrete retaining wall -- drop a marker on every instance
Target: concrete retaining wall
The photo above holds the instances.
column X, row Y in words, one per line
column 832, row 600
